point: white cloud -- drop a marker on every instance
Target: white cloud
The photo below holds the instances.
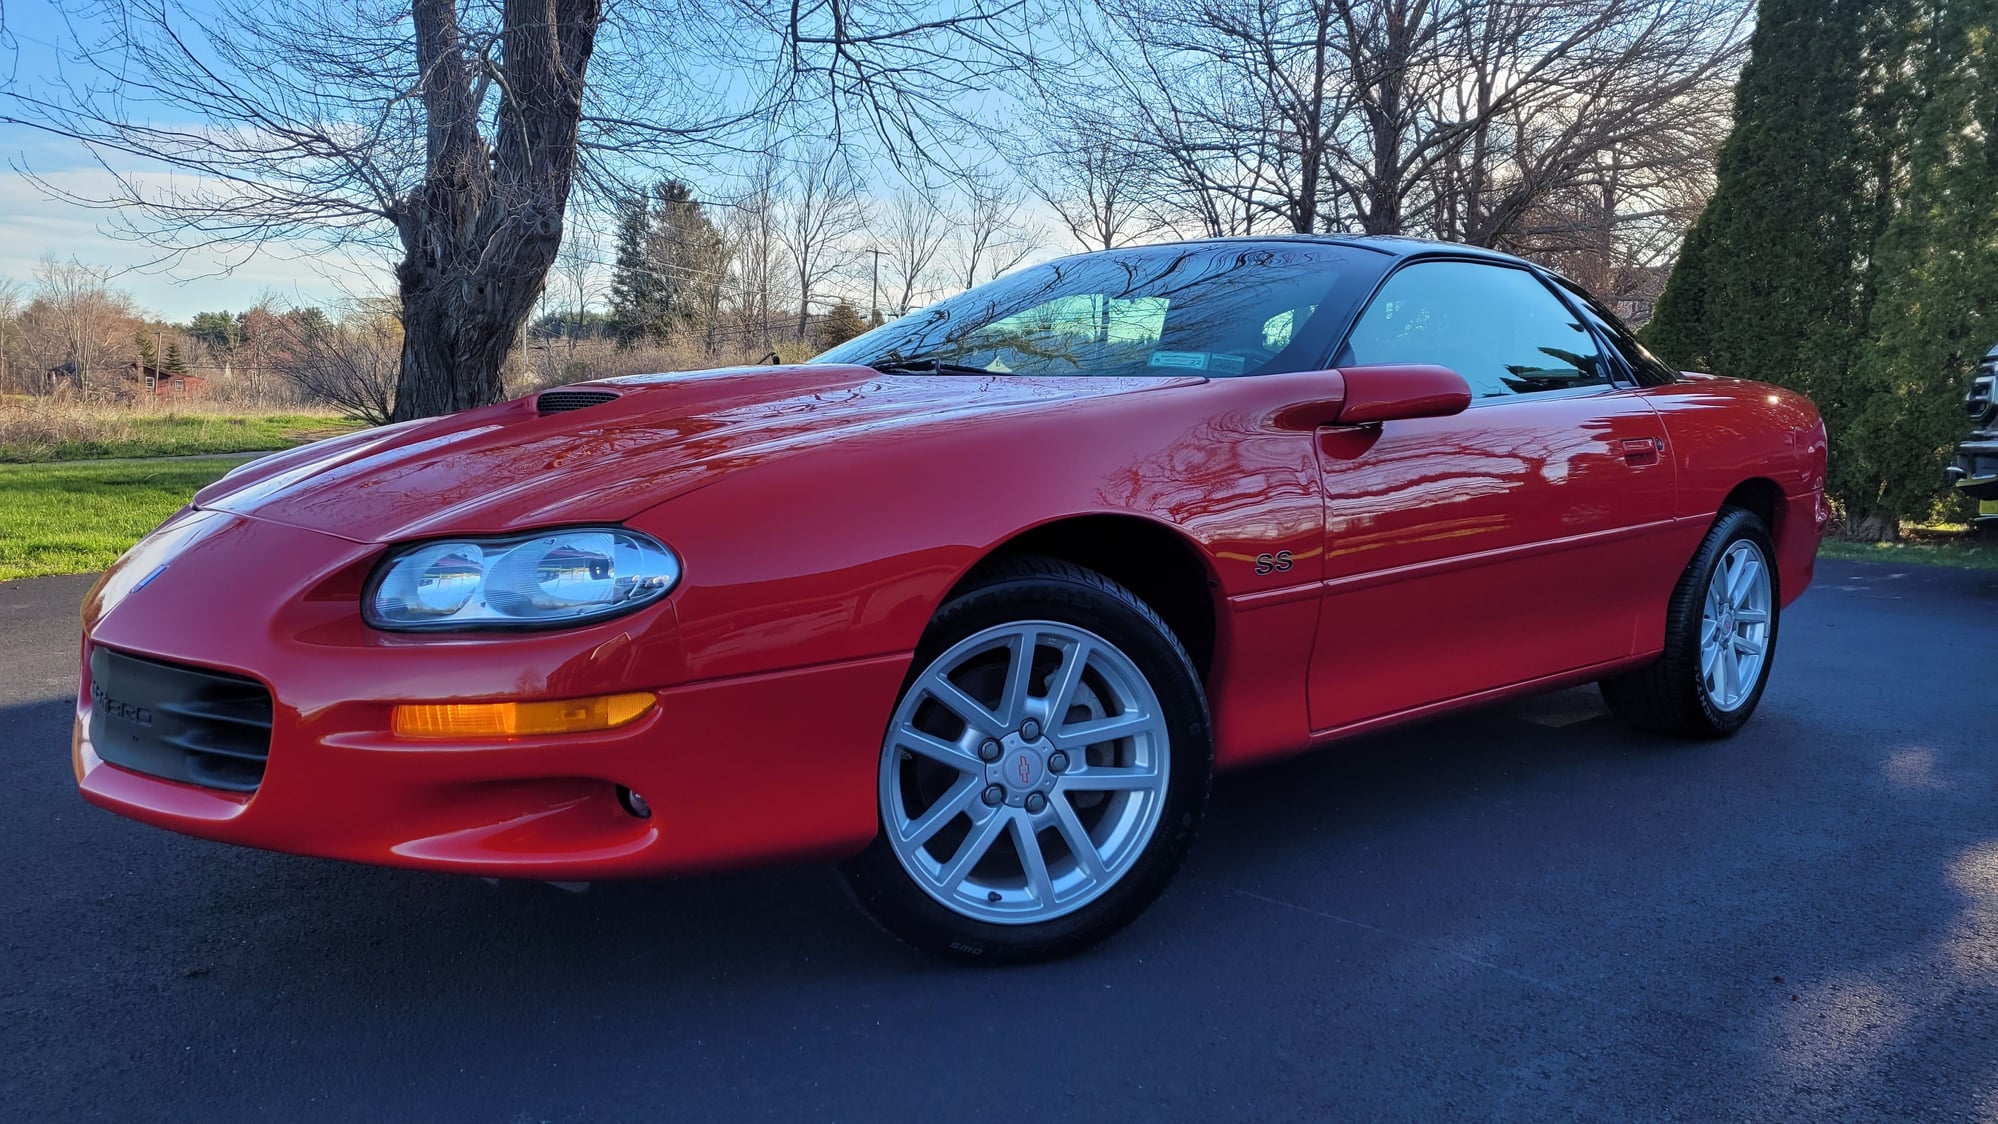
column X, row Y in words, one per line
column 33, row 225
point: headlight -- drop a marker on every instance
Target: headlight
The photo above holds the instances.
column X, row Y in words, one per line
column 520, row 581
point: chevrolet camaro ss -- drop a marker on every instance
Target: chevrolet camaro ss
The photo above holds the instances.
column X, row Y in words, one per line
column 975, row 603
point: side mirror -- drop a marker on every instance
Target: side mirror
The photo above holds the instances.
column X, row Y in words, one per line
column 1364, row 395
column 1400, row 391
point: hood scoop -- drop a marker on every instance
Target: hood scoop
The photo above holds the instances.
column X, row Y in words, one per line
column 563, row 401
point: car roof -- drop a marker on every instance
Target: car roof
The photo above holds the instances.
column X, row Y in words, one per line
column 1392, row 245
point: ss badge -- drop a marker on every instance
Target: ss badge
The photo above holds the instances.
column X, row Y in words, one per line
column 1273, row 563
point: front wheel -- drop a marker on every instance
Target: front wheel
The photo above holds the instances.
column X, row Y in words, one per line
column 1720, row 638
column 1043, row 772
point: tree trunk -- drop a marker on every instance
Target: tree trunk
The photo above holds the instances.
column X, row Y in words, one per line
column 1874, row 526
column 481, row 232
column 451, row 350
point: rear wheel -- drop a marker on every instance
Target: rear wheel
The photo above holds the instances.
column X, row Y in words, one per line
column 1720, row 638
column 1043, row 773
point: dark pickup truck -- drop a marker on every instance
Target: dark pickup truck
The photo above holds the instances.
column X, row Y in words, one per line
column 1975, row 470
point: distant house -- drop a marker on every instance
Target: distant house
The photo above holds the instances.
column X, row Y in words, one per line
column 164, row 384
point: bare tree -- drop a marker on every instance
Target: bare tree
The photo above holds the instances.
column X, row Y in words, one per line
column 755, row 284
column 913, row 230
column 818, row 209
column 1616, row 228
column 10, row 310
column 1230, row 107
column 581, row 283
column 76, row 328
column 262, row 332
column 1454, row 118
column 350, row 366
column 452, row 133
column 991, row 236
column 1019, row 242
column 1640, row 109
column 1097, row 183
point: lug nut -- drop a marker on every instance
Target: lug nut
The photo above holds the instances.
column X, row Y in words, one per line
column 995, row 795
column 989, row 750
column 1036, row 803
column 1030, row 730
column 1057, row 762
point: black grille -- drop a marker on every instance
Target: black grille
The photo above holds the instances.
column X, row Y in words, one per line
column 1977, row 459
column 182, row 723
column 1979, row 403
column 562, row 401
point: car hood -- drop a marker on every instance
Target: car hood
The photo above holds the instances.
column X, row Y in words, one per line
column 511, row 466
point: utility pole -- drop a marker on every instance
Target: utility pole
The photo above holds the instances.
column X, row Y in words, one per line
column 874, row 311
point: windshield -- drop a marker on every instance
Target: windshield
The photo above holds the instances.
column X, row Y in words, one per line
column 1211, row 309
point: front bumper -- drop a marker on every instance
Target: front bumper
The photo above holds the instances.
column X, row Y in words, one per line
column 742, row 770
column 1974, row 469
column 1974, row 472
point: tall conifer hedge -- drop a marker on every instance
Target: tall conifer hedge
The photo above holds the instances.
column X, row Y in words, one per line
column 1851, row 247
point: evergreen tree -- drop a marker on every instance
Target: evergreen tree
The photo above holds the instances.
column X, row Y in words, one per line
column 1767, row 283
column 1779, row 278
column 218, row 330
column 839, row 325
column 149, row 351
column 688, row 256
column 670, row 262
column 634, row 296
column 1938, row 272
column 174, row 364
column 311, row 323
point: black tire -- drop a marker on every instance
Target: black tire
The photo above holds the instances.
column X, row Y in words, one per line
column 1671, row 696
column 1031, row 588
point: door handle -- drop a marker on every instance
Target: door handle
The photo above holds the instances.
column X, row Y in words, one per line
column 1642, row 450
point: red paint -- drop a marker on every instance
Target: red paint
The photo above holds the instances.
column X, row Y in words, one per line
column 823, row 514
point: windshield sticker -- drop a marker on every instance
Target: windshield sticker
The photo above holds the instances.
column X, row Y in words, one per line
column 1193, row 360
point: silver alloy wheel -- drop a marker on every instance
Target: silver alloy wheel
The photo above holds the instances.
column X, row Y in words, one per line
column 1024, row 772
column 1734, row 626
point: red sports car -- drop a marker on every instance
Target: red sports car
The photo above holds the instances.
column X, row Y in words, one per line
column 976, row 602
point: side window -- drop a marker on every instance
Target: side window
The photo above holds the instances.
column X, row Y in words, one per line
column 1648, row 369
column 1497, row 326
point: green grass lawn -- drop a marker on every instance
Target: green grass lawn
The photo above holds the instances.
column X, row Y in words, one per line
column 165, row 435
column 77, row 518
column 1939, row 552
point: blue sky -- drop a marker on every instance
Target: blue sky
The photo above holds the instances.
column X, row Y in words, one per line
column 32, row 224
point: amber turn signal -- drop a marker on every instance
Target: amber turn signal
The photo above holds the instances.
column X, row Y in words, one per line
column 520, row 719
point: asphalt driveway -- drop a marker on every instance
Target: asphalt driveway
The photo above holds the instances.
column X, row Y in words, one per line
column 1526, row 913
